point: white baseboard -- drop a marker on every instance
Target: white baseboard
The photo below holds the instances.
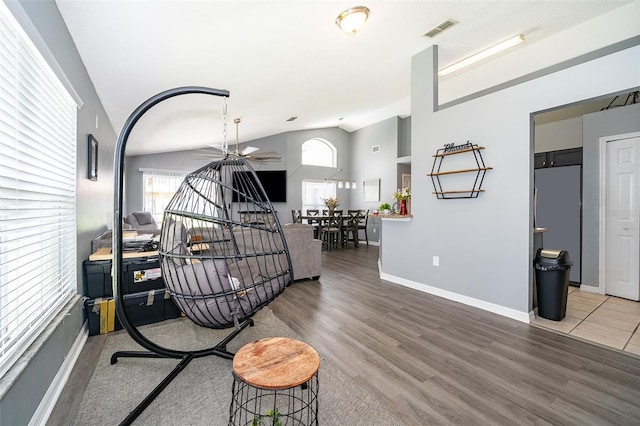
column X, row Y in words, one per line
column 50, row 398
column 591, row 289
column 525, row 317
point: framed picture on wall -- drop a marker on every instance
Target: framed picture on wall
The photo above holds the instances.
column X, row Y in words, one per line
column 93, row 158
column 371, row 190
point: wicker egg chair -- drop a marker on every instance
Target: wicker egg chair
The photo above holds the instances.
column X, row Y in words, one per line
column 232, row 270
column 235, row 267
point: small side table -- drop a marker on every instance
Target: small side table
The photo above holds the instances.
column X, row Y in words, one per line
column 275, row 382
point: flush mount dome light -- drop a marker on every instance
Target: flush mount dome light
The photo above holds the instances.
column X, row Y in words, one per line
column 351, row 20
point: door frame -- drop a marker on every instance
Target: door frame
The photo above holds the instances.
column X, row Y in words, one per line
column 602, row 201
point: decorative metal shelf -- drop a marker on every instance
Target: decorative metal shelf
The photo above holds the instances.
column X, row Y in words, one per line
column 480, row 171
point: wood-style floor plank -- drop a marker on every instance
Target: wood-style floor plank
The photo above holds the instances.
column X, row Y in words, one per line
column 432, row 361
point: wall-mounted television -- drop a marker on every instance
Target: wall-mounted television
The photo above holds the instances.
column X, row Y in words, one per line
column 274, row 183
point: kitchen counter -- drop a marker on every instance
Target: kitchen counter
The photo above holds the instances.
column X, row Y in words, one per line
column 395, row 217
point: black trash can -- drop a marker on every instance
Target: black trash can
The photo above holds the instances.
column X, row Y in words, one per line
column 552, row 281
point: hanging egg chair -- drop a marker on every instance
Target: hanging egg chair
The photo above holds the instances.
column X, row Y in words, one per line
column 219, row 267
column 234, row 267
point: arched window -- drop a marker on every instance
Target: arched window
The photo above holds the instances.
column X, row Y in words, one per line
column 319, row 152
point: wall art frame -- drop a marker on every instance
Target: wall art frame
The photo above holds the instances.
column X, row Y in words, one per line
column 93, row 158
column 371, row 190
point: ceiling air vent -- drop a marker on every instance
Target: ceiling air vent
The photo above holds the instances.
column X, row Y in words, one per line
column 375, row 148
column 440, row 28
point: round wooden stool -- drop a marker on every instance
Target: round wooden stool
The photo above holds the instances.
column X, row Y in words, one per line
column 275, row 383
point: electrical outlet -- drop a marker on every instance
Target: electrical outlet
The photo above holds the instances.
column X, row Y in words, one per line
column 436, row 261
column 375, row 230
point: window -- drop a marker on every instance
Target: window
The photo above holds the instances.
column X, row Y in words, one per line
column 319, row 152
column 314, row 192
column 159, row 187
column 37, row 192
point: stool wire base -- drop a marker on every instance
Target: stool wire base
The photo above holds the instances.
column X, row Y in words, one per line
column 219, row 349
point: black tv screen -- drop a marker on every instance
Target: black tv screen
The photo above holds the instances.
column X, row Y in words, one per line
column 274, row 183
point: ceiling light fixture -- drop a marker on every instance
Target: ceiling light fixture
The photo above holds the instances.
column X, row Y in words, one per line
column 352, row 20
column 513, row 41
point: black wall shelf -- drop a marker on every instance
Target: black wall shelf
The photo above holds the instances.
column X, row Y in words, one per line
column 480, row 171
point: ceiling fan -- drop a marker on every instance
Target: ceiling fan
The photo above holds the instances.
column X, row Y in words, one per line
column 250, row 152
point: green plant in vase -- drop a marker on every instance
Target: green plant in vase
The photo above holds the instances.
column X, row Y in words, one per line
column 385, row 208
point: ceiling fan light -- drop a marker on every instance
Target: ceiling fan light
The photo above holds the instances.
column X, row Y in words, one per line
column 249, row 150
column 352, row 20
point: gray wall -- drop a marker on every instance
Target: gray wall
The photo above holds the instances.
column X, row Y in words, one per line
column 381, row 165
column 356, row 162
column 485, row 244
column 404, row 138
column 599, row 124
column 94, row 209
column 287, row 144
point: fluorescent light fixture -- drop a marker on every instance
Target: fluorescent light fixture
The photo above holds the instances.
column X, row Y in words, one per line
column 351, row 20
column 513, row 41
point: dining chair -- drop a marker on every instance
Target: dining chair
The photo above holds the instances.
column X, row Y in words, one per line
column 314, row 222
column 363, row 220
column 331, row 232
column 325, row 212
column 296, row 216
column 350, row 228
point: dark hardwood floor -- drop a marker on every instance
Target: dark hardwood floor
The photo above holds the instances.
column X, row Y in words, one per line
column 434, row 361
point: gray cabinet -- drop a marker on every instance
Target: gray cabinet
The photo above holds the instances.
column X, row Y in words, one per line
column 560, row 158
column 558, row 208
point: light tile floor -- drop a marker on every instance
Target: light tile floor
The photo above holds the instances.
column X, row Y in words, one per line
column 607, row 320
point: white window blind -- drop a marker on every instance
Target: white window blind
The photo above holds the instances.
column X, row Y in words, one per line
column 37, row 192
column 159, row 187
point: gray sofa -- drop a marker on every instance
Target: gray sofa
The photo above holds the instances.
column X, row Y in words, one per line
column 304, row 250
column 142, row 221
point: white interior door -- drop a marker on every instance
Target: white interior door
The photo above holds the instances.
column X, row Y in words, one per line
column 622, row 218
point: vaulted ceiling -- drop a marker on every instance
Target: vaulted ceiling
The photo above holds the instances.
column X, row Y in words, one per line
column 281, row 59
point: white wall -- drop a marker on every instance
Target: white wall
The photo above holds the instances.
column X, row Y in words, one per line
column 602, row 31
column 563, row 134
column 485, row 244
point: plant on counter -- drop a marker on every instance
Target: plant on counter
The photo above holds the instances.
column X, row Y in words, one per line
column 331, row 203
column 402, row 194
column 385, row 206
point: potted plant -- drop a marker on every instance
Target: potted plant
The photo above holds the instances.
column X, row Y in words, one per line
column 385, row 208
column 331, row 204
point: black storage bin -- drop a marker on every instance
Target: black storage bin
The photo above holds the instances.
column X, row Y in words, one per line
column 142, row 308
column 141, row 274
column 101, row 315
column 97, row 278
column 171, row 310
column 552, row 281
column 145, row 307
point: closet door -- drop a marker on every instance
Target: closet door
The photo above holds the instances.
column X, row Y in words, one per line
column 559, row 210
